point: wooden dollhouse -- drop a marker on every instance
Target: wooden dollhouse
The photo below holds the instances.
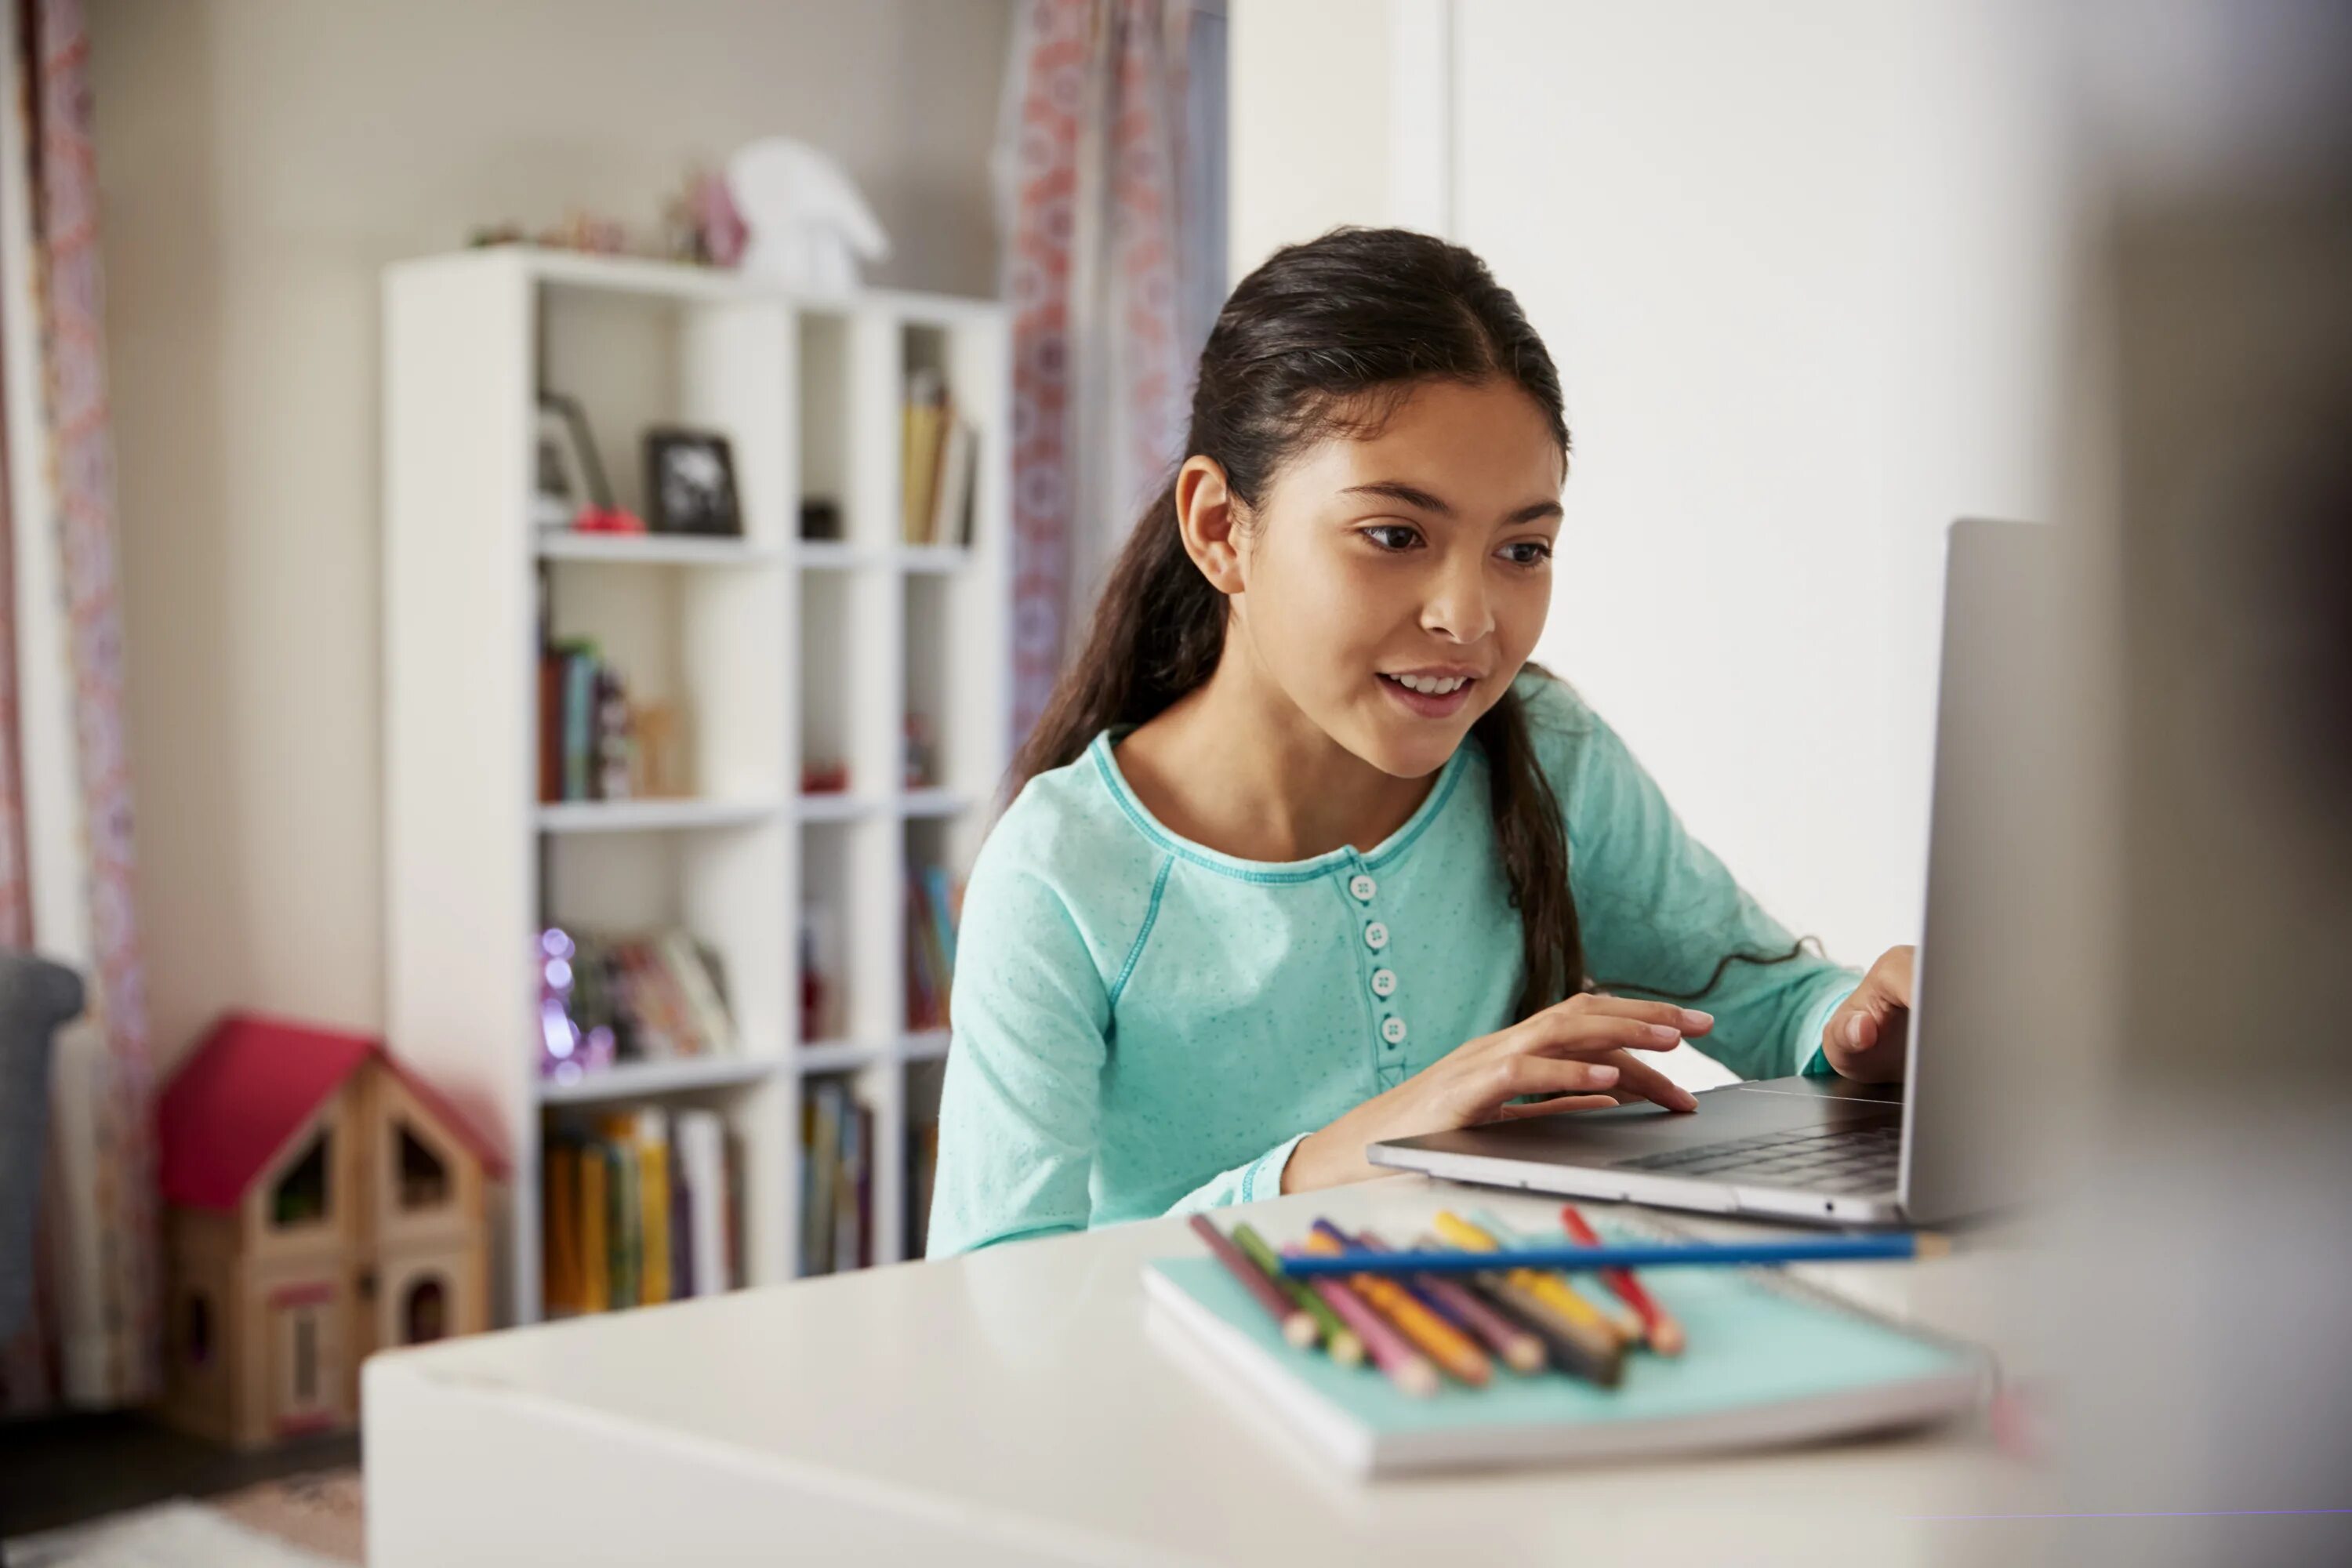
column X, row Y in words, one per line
column 321, row 1202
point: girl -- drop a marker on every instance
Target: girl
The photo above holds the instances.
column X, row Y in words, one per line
column 1306, row 855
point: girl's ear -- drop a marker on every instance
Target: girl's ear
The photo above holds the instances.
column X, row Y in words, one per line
column 1207, row 516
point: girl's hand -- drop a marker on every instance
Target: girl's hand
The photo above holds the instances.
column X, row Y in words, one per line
column 1864, row 1038
column 1575, row 1053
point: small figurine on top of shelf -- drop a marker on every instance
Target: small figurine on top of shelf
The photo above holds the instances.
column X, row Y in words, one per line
column 808, row 224
column 700, row 224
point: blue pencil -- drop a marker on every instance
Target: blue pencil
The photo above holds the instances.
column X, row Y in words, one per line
column 1638, row 1255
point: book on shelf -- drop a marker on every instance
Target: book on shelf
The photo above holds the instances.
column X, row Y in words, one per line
column 637, row 1209
column 657, row 997
column 837, row 1179
column 594, row 743
column 938, row 456
column 933, row 901
column 821, row 992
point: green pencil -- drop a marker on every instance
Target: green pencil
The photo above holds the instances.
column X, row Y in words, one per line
column 1338, row 1338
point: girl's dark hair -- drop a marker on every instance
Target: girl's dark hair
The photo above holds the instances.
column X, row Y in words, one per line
column 1328, row 338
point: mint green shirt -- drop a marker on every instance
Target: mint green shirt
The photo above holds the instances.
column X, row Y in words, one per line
column 1147, row 1026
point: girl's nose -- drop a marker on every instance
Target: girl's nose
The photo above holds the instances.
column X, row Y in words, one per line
column 1456, row 607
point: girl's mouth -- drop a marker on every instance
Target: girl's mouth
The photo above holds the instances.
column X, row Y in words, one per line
column 1430, row 697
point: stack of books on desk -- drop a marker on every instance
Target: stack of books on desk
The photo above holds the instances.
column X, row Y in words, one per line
column 1461, row 1351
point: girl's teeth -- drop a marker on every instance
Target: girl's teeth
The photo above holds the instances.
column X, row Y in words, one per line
column 1430, row 685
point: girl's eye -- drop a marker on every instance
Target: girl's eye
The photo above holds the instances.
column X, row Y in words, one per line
column 1391, row 536
column 1528, row 553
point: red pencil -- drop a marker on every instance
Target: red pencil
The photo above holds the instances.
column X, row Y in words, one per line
column 1665, row 1334
column 1296, row 1327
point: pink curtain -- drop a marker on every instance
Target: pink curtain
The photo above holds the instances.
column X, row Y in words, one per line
column 1091, row 158
column 95, row 1333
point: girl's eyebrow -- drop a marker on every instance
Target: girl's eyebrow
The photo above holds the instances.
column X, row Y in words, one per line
column 1413, row 496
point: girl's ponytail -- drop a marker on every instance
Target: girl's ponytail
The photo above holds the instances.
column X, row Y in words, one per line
column 1155, row 634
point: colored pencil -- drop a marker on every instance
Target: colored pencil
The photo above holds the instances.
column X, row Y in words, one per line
column 1546, row 1285
column 1584, row 1350
column 1518, row 1348
column 1297, row 1326
column 1658, row 1326
column 1340, row 1341
column 1432, row 1335
column 1626, row 1323
column 1634, row 1255
column 1390, row 1351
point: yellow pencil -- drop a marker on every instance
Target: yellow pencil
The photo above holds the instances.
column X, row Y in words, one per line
column 1430, row 1335
column 1543, row 1284
column 1626, row 1323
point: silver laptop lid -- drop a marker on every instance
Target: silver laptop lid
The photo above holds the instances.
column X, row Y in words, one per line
column 2006, row 839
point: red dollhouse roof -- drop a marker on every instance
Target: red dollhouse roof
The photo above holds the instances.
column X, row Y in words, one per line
column 242, row 1093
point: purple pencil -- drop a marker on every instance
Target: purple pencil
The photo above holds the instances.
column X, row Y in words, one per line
column 1407, row 1367
column 1520, row 1350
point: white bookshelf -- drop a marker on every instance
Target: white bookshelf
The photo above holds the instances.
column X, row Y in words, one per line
column 774, row 649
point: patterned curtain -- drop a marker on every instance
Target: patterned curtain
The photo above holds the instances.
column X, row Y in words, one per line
column 65, row 851
column 1092, row 168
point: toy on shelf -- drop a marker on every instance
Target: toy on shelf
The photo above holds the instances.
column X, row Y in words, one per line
column 322, row 1202
column 807, row 224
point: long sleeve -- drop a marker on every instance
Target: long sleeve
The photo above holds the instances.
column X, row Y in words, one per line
column 1661, row 912
column 1261, row 1178
column 1020, row 1110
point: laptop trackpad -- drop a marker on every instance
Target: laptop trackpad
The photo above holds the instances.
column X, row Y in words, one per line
column 1634, row 1131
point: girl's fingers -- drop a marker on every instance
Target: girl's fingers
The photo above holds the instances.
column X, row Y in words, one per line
column 1515, row 1077
column 1640, row 1079
column 1683, row 1020
column 1556, row 1032
column 1554, row 1107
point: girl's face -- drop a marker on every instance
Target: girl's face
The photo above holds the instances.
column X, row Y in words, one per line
column 1392, row 586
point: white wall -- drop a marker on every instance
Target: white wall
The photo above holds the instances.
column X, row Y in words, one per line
column 1797, row 265
column 259, row 161
column 1309, row 92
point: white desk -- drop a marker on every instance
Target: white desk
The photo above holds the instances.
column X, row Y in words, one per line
column 1010, row 1408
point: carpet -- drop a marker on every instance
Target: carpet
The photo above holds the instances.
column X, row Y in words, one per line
column 299, row 1521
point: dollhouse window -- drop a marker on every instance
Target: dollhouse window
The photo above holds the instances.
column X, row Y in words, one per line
column 302, row 1194
column 424, row 1176
column 196, row 1330
column 306, row 1359
column 424, row 1317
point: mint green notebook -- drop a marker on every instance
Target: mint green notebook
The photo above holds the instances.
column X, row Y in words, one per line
column 1768, row 1362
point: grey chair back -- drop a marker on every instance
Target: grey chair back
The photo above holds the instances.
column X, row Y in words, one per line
column 35, row 997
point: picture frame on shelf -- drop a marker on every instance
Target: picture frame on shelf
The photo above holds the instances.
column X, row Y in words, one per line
column 690, row 483
column 568, row 478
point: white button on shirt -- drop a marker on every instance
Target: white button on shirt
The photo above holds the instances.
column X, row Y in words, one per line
column 1393, row 1031
column 1363, row 887
column 1383, row 982
column 1376, row 936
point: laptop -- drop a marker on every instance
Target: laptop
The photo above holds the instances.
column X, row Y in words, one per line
column 1934, row 1147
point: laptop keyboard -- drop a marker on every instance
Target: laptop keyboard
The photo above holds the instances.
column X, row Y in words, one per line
column 1840, row 1160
